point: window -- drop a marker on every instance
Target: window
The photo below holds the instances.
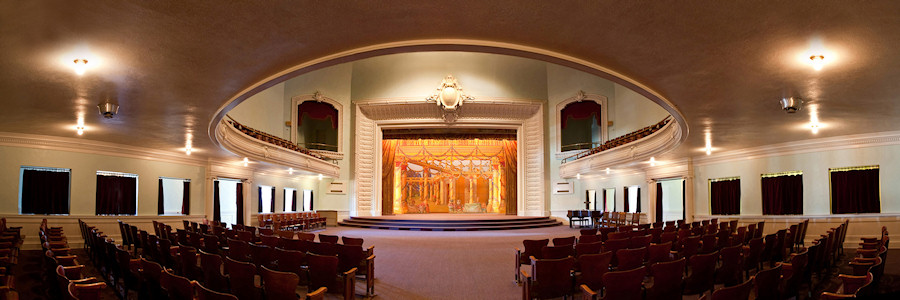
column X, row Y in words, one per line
column 307, row 200
column 671, row 194
column 44, row 191
column 174, row 196
column 782, row 193
column 633, row 198
column 725, row 196
column 290, row 199
column 581, row 122
column 855, row 190
column 116, row 193
column 227, row 194
column 609, row 199
column 266, row 199
column 316, row 122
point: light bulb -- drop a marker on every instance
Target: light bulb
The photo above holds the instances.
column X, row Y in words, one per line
column 79, row 130
column 80, row 66
column 578, row 176
column 818, row 61
column 291, row 171
column 320, row 176
column 187, row 151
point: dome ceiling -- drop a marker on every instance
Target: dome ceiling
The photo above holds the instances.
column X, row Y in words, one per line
column 172, row 65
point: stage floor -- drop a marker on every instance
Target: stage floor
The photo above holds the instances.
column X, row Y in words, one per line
column 449, row 216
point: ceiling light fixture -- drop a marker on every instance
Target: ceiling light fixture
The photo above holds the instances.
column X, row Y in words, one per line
column 652, row 161
column 291, row 171
column 791, row 104
column 187, row 151
column 108, row 109
column 320, row 176
column 578, row 176
column 607, row 171
column 80, row 66
column 79, row 129
column 817, row 61
column 246, row 161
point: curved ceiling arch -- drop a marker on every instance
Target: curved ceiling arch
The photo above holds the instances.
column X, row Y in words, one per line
column 450, row 45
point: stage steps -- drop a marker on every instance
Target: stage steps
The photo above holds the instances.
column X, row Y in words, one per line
column 450, row 225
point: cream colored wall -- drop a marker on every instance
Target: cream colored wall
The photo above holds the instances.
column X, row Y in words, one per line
column 84, row 178
column 417, row 75
column 631, row 111
column 335, row 83
column 265, row 111
column 281, row 181
column 816, row 189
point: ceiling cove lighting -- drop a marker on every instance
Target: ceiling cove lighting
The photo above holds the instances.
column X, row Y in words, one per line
column 80, row 66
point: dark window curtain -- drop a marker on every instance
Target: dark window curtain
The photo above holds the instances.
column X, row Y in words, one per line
column 312, row 205
column 659, row 202
column 683, row 195
column 581, row 110
column 116, row 195
column 627, row 205
column 855, row 191
column 294, row 203
column 45, row 192
column 217, row 209
column 782, row 195
column 272, row 202
column 508, row 180
column 259, row 199
column 725, row 197
column 161, row 199
column 186, row 199
column 638, row 201
column 388, row 152
column 604, row 200
column 240, row 202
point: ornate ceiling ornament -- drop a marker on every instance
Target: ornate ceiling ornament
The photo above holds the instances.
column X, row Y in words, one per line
column 449, row 96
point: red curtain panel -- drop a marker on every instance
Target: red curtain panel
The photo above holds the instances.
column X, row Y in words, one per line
column 855, row 191
column 725, row 197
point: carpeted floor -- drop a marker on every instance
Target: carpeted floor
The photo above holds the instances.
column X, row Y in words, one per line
column 442, row 265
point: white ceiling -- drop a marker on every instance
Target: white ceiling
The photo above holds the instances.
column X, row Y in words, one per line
column 723, row 64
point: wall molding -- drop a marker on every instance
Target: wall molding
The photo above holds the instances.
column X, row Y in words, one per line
column 96, row 147
column 855, row 141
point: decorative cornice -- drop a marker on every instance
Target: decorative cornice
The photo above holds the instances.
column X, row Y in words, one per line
column 96, row 147
column 805, row 146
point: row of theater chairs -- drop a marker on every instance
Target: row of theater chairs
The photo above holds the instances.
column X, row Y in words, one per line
column 291, row 221
column 627, row 250
column 867, row 266
column 246, row 247
column 629, row 137
column 63, row 270
column 271, row 139
column 10, row 241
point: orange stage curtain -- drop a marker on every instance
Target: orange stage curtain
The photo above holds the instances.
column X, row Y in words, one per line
column 388, row 151
column 509, row 174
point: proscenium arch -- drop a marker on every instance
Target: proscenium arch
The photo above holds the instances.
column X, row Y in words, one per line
column 462, row 45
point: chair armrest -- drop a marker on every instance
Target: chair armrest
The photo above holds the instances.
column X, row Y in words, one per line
column 526, row 285
column 370, row 251
column 67, row 260
column 88, row 280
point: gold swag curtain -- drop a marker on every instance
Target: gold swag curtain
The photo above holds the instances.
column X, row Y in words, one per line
column 509, row 176
column 388, row 152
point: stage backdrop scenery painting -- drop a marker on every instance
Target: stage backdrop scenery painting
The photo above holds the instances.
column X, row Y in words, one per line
column 448, row 176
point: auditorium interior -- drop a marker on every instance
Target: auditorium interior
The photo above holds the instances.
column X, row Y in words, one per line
column 437, row 139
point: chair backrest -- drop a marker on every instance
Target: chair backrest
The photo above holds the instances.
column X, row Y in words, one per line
column 659, row 253
column 624, row 285
column 349, row 256
column 605, row 231
column 588, row 248
column 306, row 236
column 557, row 252
column 588, row 239
column 630, row 258
column 570, row 240
column 323, row 270
column 737, row 292
column 709, row 243
column 702, row 270
column 322, row 248
column 856, row 285
column 211, row 264
column 592, row 267
column 279, row 285
column 91, row 291
column 768, row 283
column 270, row 240
column 177, row 287
column 204, row 293
column 332, row 239
column 533, row 248
column 730, row 272
column 241, row 278
column 619, row 235
column 285, row 260
column 285, row 234
column 689, row 246
column 640, row 241
column 668, row 278
column 239, row 250
column 614, row 246
column 260, row 254
column 352, row 241
column 552, row 277
column 751, row 260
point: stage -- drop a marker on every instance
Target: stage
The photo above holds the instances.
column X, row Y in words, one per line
column 450, row 222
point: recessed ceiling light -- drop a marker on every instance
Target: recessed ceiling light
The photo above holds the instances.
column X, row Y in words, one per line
column 80, row 66
column 817, row 61
column 79, row 129
column 246, row 161
column 578, row 176
column 652, row 161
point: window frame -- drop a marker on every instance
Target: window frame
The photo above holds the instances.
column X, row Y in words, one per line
column 21, row 191
column 137, row 185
